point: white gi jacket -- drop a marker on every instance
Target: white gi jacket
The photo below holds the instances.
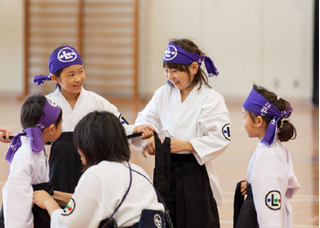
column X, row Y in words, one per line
column 270, row 173
column 96, row 197
column 202, row 119
column 87, row 102
column 27, row 168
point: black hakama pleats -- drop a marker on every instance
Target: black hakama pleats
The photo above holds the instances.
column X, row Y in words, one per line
column 185, row 188
column 65, row 164
column 245, row 215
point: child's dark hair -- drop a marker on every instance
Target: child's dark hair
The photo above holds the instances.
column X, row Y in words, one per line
column 32, row 110
column 286, row 130
column 189, row 46
column 100, row 136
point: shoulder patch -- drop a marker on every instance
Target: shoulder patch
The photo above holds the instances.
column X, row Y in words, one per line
column 69, row 208
column 226, row 131
column 273, row 200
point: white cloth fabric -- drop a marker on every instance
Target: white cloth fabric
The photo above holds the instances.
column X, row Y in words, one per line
column 100, row 190
column 88, row 101
column 270, row 172
column 199, row 119
column 27, row 168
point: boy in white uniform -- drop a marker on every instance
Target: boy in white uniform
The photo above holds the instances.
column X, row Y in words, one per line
column 29, row 169
column 270, row 178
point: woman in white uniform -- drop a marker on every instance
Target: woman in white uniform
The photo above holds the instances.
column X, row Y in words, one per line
column 271, row 181
column 41, row 120
column 67, row 70
column 104, row 151
column 196, row 123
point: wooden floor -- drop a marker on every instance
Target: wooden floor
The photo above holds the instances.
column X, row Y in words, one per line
column 231, row 166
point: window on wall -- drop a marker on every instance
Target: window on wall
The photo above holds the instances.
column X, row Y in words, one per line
column 104, row 33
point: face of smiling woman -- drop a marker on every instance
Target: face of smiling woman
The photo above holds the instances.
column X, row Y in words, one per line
column 71, row 79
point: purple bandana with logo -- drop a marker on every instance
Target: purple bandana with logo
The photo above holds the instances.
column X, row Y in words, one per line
column 176, row 54
column 59, row 59
column 260, row 106
column 51, row 113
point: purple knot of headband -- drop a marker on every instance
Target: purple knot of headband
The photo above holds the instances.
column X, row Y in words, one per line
column 260, row 106
column 176, row 54
column 51, row 113
column 59, row 59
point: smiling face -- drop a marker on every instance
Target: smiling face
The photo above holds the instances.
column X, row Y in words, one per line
column 71, row 79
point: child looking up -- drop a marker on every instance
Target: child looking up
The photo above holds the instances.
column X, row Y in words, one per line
column 41, row 120
column 270, row 178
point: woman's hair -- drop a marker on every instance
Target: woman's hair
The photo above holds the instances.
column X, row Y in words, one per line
column 189, row 46
column 286, row 130
column 32, row 110
column 100, row 136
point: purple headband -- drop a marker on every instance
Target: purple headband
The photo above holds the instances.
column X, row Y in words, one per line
column 51, row 113
column 260, row 106
column 59, row 59
column 176, row 54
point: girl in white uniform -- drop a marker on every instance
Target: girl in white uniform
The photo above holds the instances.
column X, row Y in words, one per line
column 195, row 119
column 67, row 70
column 103, row 148
column 270, row 178
column 29, row 169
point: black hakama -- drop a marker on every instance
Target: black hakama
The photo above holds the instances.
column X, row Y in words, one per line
column 245, row 215
column 65, row 164
column 41, row 218
column 185, row 188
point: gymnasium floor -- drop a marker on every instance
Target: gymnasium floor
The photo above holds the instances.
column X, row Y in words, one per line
column 231, row 166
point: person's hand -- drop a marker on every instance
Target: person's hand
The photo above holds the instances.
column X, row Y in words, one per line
column 243, row 187
column 146, row 129
column 178, row 146
column 7, row 133
column 42, row 199
column 149, row 148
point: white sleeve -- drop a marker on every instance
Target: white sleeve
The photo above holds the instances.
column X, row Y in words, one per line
column 107, row 106
column 149, row 115
column 268, row 189
column 18, row 194
column 83, row 210
column 215, row 124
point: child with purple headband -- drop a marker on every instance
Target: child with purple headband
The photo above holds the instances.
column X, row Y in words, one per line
column 67, row 71
column 271, row 181
column 196, row 124
column 41, row 120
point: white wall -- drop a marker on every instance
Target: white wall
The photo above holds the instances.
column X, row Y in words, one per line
column 11, row 46
column 268, row 42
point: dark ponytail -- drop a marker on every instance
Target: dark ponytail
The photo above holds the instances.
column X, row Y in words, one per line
column 286, row 130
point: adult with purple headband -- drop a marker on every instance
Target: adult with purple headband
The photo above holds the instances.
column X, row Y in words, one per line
column 271, row 181
column 41, row 120
column 66, row 69
column 196, row 124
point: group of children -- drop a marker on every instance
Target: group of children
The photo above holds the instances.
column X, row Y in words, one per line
column 89, row 178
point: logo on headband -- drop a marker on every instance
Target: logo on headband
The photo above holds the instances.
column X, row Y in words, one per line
column 170, row 53
column 67, row 55
column 53, row 104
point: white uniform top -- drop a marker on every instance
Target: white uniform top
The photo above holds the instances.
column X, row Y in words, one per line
column 100, row 189
column 87, row 102
column 270, row 173
column 202, row 119
column 27, row 168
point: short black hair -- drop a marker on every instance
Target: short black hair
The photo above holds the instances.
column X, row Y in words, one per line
column 100, row 136
column 32, row 110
